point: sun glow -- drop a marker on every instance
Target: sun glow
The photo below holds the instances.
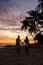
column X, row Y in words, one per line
column 13, row 40
column 7, row 37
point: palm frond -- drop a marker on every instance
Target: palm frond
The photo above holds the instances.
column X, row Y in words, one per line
column 40, row 0
column 25, row 24
column 38, row 7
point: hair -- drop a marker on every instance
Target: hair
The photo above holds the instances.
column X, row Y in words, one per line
column 18, row 36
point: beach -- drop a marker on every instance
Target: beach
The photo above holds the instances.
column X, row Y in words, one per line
column 9, row 56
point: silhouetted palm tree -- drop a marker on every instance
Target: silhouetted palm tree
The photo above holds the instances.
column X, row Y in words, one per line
column 32, row 23
column 29, row 22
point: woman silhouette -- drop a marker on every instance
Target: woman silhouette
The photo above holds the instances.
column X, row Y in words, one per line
column 26, row 41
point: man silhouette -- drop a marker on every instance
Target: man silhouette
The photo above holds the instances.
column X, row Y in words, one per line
column 18, row 44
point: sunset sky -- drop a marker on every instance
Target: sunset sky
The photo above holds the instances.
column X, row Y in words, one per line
column 11, row 13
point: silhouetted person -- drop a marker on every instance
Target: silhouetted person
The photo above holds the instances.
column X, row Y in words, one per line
column 18, row 44
column 26, row 45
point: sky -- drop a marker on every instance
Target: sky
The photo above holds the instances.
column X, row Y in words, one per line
column 12, row 12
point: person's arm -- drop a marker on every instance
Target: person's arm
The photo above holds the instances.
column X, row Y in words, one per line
column 20, row 41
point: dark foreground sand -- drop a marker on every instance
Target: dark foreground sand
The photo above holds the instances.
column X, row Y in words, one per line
column 9, row 56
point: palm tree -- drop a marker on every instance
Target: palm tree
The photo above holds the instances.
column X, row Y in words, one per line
column 32, row 23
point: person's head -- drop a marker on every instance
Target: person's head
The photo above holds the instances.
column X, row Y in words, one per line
column 26, row 37
column 18, row 36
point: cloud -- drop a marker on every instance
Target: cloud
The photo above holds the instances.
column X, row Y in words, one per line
column 12, row 25
column 10, row 16
column 10, row 28
column 14, row 20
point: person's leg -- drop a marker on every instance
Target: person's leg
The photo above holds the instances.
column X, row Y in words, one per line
column 26, row 50
column 19, row 50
